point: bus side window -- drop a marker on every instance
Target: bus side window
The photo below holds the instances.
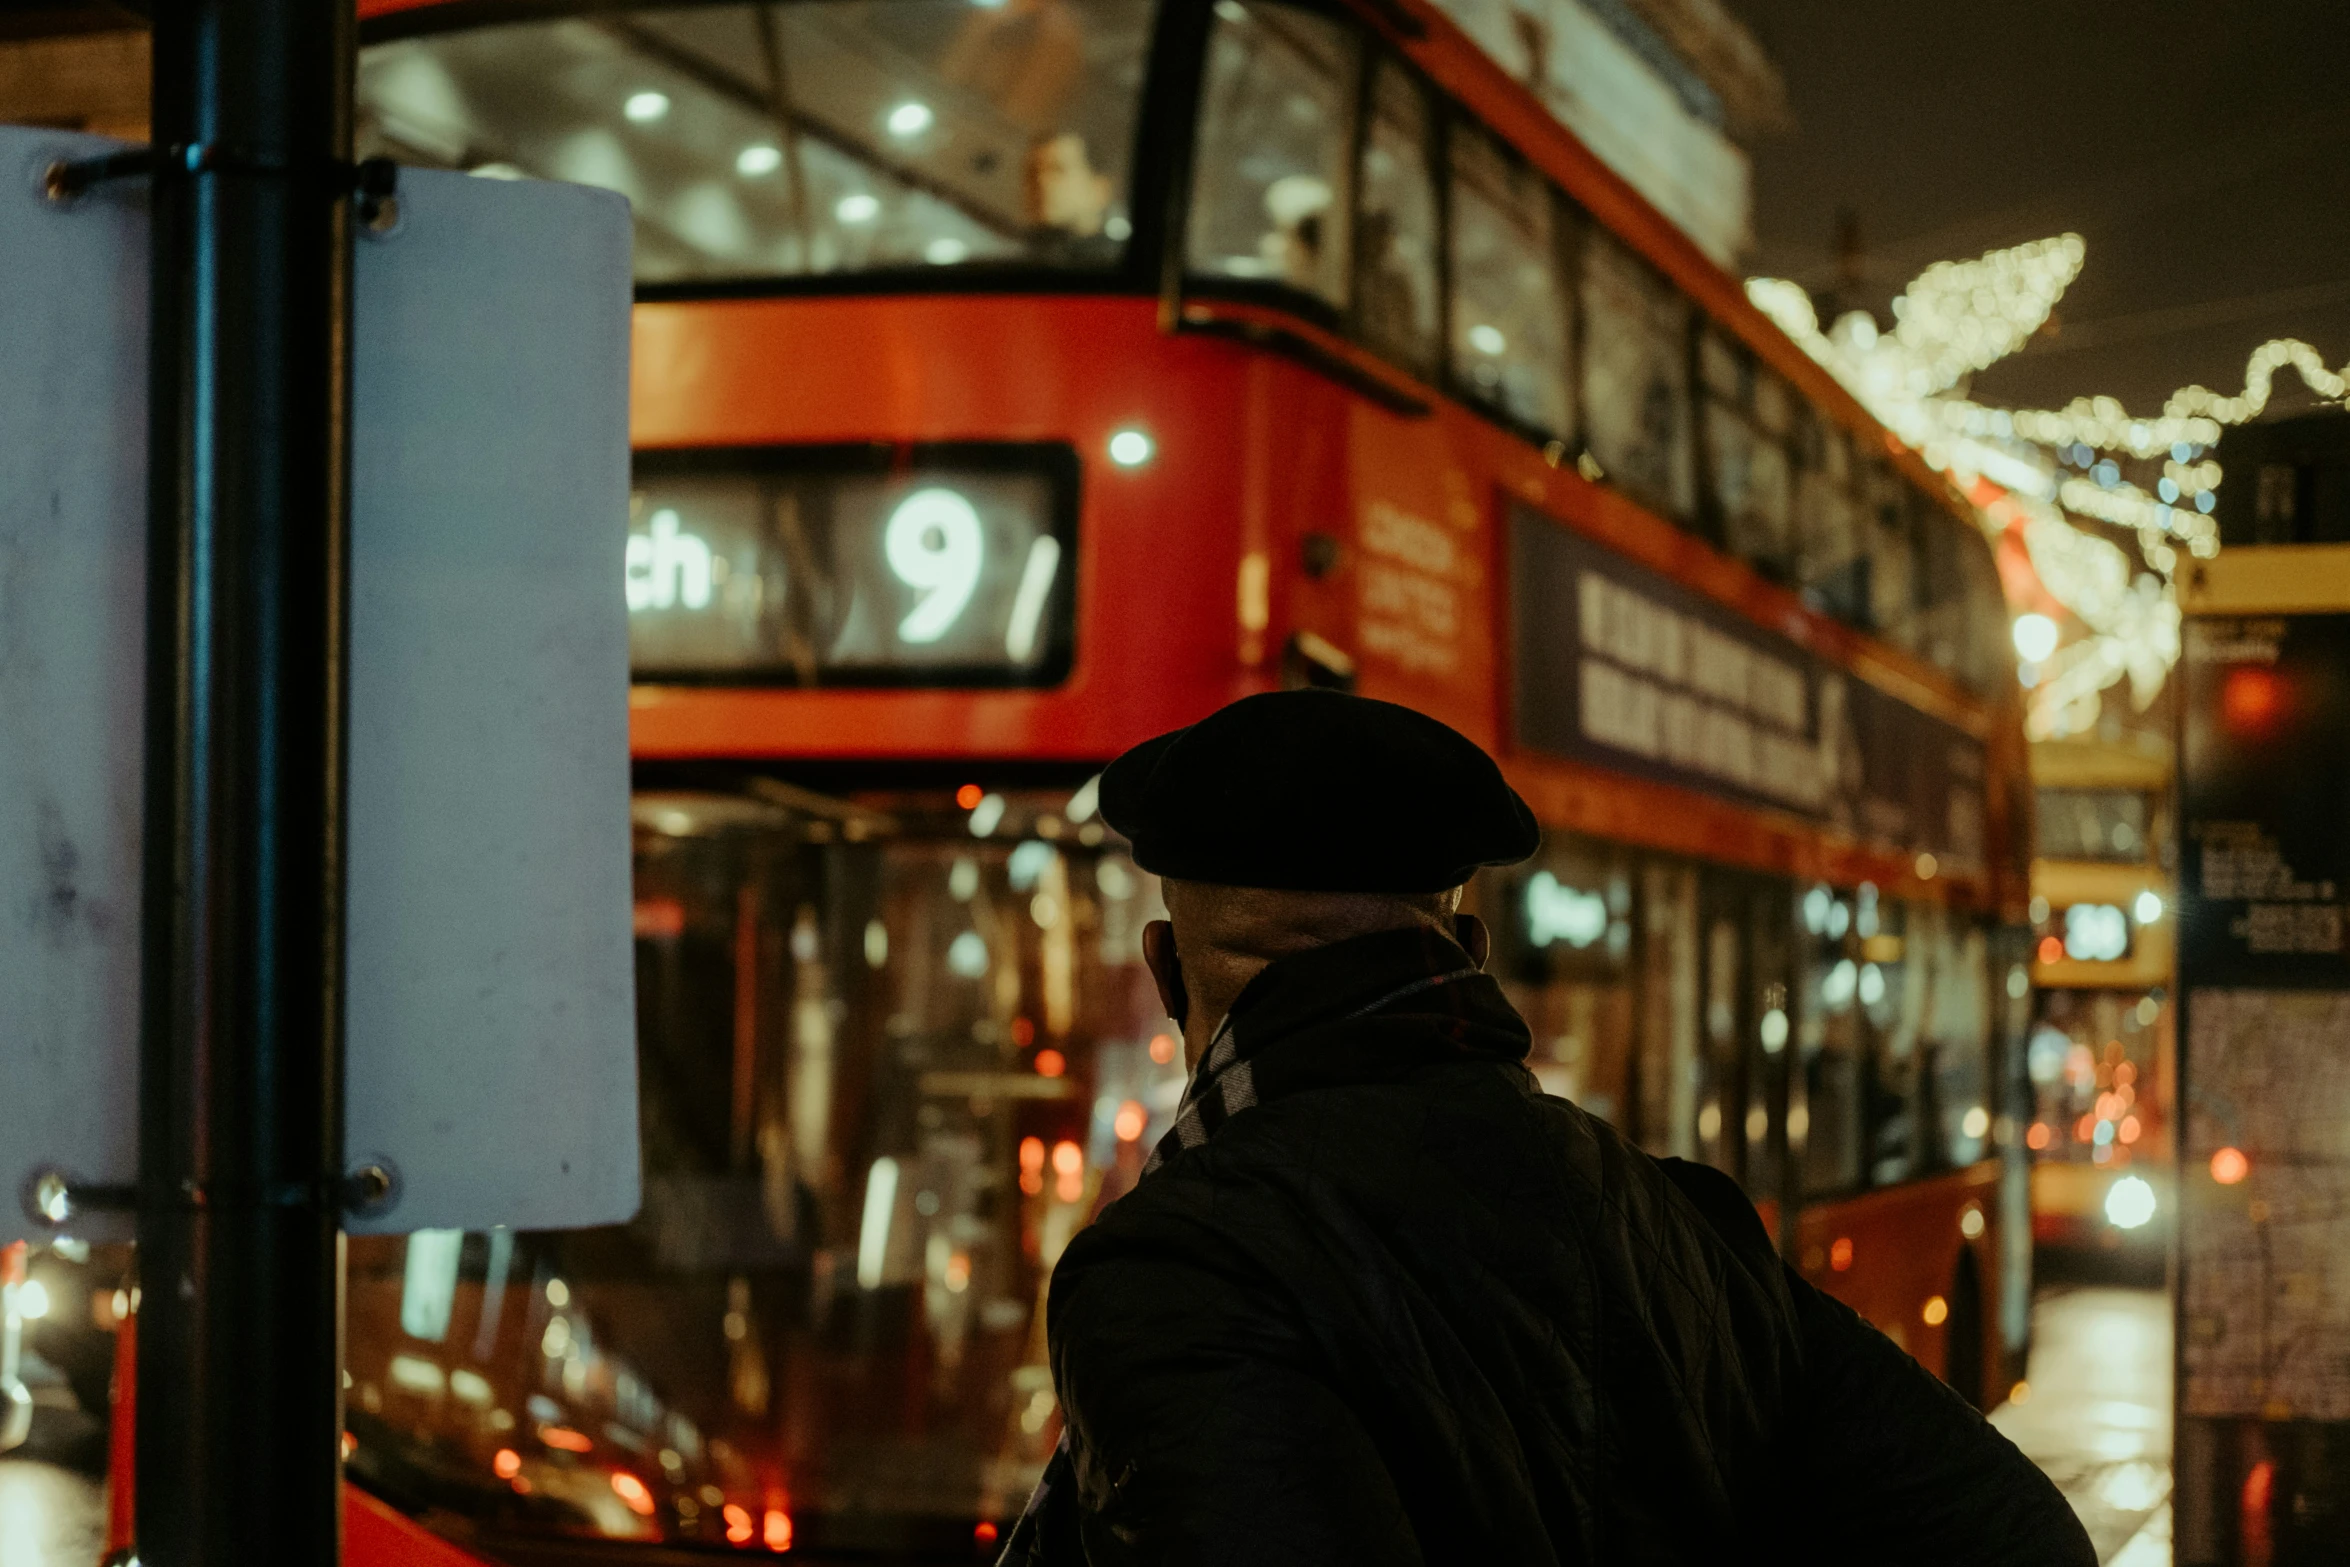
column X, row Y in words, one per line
column 1509, row 323
column 1269, row 196
column 1667, row 1059
column 1891, row 986
column 1830, row 489
column 1893, row 563
column 1962, row 1046
column 1825, row 1120
column 1636, row 376
column 1942, row 590
column 1563, row 938
column 1990, row 652
column 1835, row 547
column 1396, row 233
column 1747, row 504
column 1832, row 557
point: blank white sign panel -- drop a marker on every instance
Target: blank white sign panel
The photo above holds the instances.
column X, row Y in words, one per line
column 491, row 1014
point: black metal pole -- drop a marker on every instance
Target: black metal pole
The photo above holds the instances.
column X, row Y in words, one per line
column 239, row 1350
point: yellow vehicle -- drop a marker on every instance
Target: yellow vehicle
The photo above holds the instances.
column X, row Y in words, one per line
column 2101, row 1051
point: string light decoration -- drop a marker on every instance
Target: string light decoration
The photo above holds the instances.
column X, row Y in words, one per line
column 1959, row 317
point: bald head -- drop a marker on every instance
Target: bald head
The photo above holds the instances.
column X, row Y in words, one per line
column 1216, row 939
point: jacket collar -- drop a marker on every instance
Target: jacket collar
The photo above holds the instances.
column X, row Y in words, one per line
column 1371, row 1009
column 1416, row 971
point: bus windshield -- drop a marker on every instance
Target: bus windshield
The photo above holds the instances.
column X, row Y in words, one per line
column 788, row 140
column 892, row 1055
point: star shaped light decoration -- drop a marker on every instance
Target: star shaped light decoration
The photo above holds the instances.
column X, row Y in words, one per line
column 2030, row 472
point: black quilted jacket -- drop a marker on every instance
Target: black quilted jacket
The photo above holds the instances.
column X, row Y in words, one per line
column 1404, row 1308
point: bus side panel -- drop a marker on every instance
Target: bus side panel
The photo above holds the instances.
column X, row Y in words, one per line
column 1903, row 1246
column 1421, row 569
column 374, row 1535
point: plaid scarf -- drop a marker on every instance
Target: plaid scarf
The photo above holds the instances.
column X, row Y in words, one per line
column 1365, row 1010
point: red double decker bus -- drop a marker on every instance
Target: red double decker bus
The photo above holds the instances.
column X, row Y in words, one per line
column 1016, row 379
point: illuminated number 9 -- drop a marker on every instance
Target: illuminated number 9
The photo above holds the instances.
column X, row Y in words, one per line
column 934, row 543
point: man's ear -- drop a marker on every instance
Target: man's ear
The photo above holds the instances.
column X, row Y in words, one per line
column 1158, row 950
column 1475, row 939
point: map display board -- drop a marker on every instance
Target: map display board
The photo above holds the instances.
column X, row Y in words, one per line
column 2265, row 1311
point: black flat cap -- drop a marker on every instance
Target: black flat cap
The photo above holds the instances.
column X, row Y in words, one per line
column 1316, row 791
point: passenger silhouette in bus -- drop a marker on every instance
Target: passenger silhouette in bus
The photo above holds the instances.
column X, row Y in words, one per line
column 1298, row 208
column 1067, row 202
column 1389, row 300
column 1377, row 1300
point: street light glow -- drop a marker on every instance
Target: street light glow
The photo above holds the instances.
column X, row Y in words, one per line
column 2130, row 1203
column 644, row 108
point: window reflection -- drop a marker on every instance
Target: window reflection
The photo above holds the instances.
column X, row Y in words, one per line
column 822, row 136
column 1563, row 949
column 1276, row 132
column 887, row 1069
column 1832, row 1045
column 1957, row 1112
column 1889, row 988
column 1395, row 285
column 1636, row 375
column 1748, row 501
column 1509, row 327
column 1895, row 584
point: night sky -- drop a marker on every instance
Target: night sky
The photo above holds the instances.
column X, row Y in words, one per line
column 2202, row 150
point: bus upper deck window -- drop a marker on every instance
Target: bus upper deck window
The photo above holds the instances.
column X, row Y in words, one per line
column 1747, row 469
column 1509, row 324
column 778, row 140
column 1636, row 375
column 1832, row 539
column 1395, row 235
column 1268, row 199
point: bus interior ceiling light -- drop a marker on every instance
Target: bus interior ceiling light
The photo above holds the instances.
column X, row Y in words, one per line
column 881, row 1196
column 986, row 815
column 910, row 119
column 858, row 208
column 758, row 159
column 644, row 108
column 1131, row 448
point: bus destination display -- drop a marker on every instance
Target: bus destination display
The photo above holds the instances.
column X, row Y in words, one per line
column 814, row 568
